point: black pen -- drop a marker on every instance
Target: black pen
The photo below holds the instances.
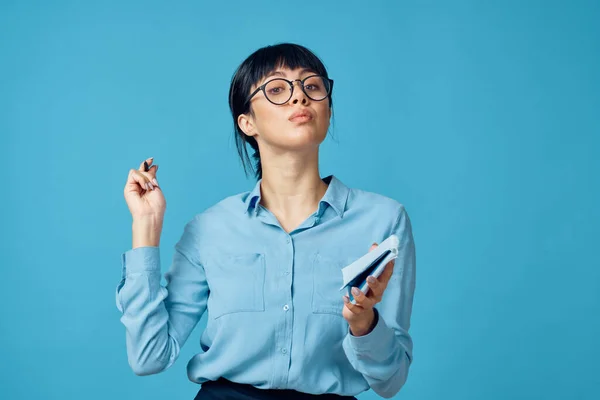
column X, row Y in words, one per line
column 146, row 168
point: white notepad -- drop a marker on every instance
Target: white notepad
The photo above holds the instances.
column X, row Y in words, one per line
column 372, row 263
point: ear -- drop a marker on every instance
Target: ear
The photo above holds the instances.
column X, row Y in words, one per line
column 246, row 124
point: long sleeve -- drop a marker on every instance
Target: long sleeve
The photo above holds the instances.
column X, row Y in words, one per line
column 158, row 320
column 384, row 355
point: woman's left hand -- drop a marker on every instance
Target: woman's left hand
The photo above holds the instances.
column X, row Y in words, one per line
column 361, row 316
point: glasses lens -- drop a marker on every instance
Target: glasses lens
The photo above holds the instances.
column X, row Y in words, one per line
column 317, row 87
column 278, row 91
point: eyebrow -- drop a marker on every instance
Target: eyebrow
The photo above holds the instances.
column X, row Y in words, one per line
column 279, row 73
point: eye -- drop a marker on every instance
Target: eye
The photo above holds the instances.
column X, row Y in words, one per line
column 276, row 87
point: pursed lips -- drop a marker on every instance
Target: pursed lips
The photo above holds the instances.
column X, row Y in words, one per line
column 300, row 117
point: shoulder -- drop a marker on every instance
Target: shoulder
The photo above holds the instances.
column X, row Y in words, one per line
column 231, row 205
column 376, row 209
column 389, row 212
column 365, row 201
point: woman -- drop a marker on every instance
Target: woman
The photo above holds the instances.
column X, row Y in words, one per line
column 266, row 263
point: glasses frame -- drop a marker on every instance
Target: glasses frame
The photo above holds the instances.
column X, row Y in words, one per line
column 291, row 83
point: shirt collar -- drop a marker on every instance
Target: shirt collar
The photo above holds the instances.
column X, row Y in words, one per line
column 335, row 196
column 253, row 198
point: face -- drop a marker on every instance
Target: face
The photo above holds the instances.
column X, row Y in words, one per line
column 274, row 127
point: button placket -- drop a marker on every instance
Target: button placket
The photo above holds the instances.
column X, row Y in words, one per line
column 287, row 314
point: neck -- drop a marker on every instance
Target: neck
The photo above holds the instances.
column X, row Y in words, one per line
column 291, row 186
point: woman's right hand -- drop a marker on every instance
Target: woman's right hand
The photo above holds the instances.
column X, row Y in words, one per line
column 142, row 194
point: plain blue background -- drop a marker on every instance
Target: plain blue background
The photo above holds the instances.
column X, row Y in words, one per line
column 480, row 117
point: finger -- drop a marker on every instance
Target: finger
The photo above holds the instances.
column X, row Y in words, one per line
column 376, row 288
column 149, row 171
column 361, row 298
column 387, row 272
column 145, row 165
column 145, row 179
column 151, row 174
column 373, row 246
column 136, row 179
column 354, row 308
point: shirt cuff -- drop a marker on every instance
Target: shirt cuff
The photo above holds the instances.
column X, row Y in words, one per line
column 378, row 341
column 140, row 259
column 137, row 260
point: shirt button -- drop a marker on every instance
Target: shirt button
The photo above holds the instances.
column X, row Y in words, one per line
column 316, row 220
column 287, row 272
column 287, row 240
column 286, row 307
column 284, row 351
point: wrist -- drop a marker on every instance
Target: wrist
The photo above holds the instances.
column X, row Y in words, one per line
column 146, row 231
column 364, row 326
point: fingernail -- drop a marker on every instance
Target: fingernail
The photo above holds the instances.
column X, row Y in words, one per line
column 355, row 291
column 345, row 298
column 155, row 182
column 370, row 279
column 150, row 185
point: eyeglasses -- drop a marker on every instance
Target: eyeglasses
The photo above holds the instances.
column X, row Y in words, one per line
column 279, row 90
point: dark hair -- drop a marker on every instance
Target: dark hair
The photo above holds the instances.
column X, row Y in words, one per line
column 254, row 68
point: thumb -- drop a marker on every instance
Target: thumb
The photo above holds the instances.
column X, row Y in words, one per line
column 152, row 170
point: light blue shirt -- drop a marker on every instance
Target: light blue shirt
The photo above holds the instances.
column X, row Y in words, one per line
column 273, row 298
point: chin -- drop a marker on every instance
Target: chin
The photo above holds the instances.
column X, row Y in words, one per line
column 304, row 136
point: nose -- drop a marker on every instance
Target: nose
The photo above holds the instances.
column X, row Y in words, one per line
column 298, row 94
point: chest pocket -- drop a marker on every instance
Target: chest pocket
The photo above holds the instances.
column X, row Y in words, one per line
column 327, row 280
column 236, row 284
